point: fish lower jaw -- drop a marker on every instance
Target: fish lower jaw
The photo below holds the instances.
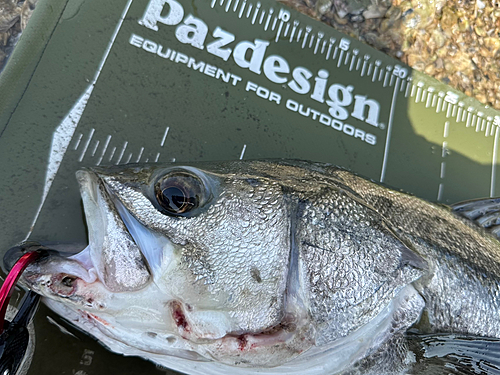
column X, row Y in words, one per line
column 268, row 348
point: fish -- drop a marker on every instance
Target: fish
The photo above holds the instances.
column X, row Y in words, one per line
column 272, row 267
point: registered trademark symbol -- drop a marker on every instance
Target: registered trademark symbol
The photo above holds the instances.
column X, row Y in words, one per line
column 381, row 126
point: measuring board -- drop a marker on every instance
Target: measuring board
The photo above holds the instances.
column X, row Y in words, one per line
column 139, row 81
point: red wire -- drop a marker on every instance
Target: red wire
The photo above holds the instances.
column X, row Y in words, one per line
column 11, row 280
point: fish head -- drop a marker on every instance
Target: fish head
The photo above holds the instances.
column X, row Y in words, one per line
column 184, row 261
column 248, row 264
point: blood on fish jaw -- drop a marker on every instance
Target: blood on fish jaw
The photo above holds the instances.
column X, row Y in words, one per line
column 179, row 318
column 92, row 317
column 242, row 342
column 245, row 342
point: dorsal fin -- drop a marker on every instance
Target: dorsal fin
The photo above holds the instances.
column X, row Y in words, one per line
column 484, row 212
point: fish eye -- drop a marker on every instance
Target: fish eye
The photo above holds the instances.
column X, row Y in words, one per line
column 179, row 192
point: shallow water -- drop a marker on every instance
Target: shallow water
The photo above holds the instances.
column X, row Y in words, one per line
column 455, row 354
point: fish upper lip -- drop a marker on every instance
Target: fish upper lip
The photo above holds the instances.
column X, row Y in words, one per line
column 112, row 247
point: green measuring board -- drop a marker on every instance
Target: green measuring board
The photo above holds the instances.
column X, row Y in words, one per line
column 138, row 81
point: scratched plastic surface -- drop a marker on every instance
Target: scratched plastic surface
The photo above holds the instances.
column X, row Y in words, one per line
column 100, row 83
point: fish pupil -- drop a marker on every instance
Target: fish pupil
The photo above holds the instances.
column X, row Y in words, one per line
column 175, row 199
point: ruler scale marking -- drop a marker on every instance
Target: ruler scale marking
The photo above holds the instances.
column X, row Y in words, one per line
column 278, row 34
column 353, row 60
column 494, row 163
column 439, row 100
column 443, row 168
column 428, row 102
column 419, row 93
column 329, row 50
column 243, row 151
column 391, row 82
column 268, row 20
column 287, row 29
column 385, row 79
column 164, row 136
column 412, row 94
column 424, row 96
column 78, row 140
column 316, row 47
column 370, row 66
column 374, row 73
column 249, row 10
column 306, row 35
column 444, row 149
column 448, row 110
column 262, row 15
column 120, row 156
column 335, row 55
column 299, row 35
column 82, row 155
column 446, row 129
column 433, row 99
column 294, row 29
column 112, row 153
column 468, row 120
column 363, row 68
column 440, row 191
column 140, row 155
column 311, row 41
column 242, row 9
column 96, row 146
column 408, row 86
column 106, row 144
column 275, row 21
column 389, row 131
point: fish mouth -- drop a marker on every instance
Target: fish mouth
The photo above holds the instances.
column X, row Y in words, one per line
column 113, row 261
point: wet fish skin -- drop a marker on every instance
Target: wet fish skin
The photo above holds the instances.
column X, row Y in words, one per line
column 286, row 267
column 462, row 286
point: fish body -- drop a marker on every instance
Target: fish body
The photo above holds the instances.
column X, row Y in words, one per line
column 269, row 267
